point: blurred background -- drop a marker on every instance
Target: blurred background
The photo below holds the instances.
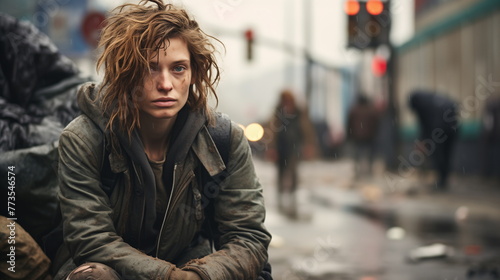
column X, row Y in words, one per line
column 385, row 190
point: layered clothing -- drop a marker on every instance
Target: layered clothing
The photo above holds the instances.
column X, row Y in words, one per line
column 123, row 227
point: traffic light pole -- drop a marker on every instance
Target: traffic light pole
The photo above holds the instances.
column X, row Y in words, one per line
column 393, row 113
column 368, row 27
column 307, row 51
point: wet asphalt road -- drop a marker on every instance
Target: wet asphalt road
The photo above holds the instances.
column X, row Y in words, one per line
column 368, row 229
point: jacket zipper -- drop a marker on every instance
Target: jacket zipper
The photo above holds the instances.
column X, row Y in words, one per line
column 143, row 203
column 180, row 191
column 166, row 211
column 172, row 201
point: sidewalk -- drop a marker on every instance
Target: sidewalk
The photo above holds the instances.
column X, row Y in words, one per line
column 383, row 188
column 344, row 226
column 469, row 195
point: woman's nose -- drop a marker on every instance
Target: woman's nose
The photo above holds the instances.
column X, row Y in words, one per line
column 164, row 82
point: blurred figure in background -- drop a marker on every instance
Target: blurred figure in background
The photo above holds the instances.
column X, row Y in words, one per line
column 490, row 144
column 362, row 129
column 438, row 119
column 293, row 139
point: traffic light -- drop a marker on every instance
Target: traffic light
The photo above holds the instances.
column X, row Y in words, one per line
column 249, row 38
column 369, row 23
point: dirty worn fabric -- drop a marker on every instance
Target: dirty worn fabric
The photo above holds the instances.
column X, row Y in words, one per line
column 88, row 271
column 178, row 274
column 109, row 229
column 37, row 100
column 36, row 81
column 30, row 263
column 30, row 61
column 36, row 187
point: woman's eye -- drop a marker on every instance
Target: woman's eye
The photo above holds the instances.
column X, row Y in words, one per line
column 179, row 68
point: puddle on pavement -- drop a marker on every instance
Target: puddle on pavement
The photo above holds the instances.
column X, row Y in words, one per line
column 481, row 231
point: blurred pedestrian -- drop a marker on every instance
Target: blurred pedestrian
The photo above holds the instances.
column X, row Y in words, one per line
column 133, row 168
column 293, row 139
column 438, row 119
column 490, row 144
column 362, row 128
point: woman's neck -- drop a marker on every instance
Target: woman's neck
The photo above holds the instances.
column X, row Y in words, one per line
column 155, row 136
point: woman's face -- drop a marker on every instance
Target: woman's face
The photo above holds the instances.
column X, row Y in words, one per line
column 166, row 87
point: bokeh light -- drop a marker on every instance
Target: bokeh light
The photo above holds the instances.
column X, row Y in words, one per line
column 254, row 132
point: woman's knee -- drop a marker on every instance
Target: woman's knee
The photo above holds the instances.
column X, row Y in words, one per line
column 93, row 271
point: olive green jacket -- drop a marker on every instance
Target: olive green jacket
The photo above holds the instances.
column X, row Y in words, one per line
column 109, row 228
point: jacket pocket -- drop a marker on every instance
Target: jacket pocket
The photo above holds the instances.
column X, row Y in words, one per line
column 188, row 207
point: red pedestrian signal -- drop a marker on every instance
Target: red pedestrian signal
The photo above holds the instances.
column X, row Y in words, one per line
column 379, row 66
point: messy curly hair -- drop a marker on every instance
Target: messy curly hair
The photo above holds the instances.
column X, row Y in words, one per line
column 132, row 35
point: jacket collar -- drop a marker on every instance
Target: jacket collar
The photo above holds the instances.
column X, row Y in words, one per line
column 206, row 151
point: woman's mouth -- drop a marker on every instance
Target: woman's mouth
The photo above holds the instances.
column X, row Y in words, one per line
column 164, row 102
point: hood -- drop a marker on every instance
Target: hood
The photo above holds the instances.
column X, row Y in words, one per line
column 89, row 103
column 419, row 100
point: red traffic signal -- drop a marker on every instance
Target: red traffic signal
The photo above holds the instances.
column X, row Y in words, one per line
column 249, row 36
column 368, row 23
column 351, row 7
column 374, row 7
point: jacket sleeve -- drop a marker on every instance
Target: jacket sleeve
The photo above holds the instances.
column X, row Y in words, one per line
column 88, row 228
column 239, row 215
